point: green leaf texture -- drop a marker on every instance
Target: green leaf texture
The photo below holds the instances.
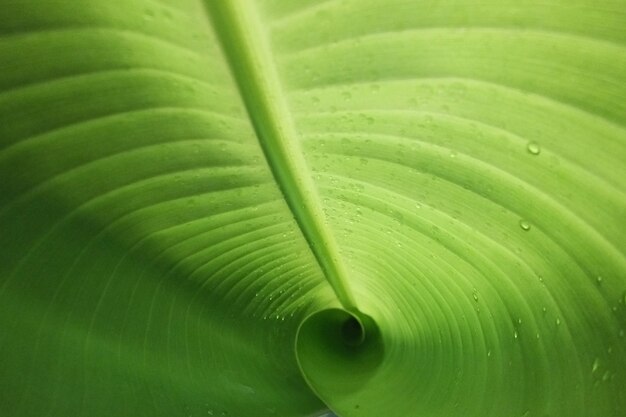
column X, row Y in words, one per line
column 277, row 207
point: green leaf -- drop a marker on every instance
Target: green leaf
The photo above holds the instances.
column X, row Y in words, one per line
column 275, row 208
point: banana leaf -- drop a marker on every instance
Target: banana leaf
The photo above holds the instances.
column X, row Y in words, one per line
column 283, row 207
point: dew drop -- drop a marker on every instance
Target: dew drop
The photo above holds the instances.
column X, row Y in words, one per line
column 599, row 279
column 558, row 321
column 533, row 148
column 475, row 294
column 595, row 365
column 515, row 335
column 524, row 225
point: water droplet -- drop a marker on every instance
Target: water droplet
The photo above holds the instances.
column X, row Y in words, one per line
column 475, row 294
column 489, row 353
column 606, row 376
column 595, row 365
column 599, row 279
column 533, row 148
column 452, row 154
column 558, row 321
column 524, row 225
column 515, row 335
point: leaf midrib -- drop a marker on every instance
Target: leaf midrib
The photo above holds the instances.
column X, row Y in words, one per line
column 247, row 50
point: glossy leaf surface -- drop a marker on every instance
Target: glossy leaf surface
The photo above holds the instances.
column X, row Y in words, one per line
column 274, row 208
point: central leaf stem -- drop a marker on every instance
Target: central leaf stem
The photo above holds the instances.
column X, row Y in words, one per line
column 245, row 44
